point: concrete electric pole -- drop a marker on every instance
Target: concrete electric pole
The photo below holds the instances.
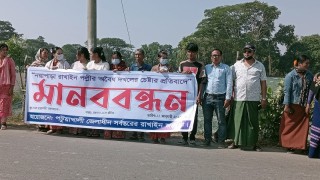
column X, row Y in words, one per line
column 92, row 23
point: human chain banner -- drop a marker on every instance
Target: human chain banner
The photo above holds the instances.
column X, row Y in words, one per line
column 128, row 101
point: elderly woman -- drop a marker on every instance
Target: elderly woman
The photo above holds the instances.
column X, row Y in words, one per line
column 7, row 82
column 295, row 120
column 314, row 93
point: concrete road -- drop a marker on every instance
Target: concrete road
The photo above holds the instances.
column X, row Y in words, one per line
column 28, row 154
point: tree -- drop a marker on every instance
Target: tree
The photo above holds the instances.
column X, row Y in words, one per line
column 33, row 46
column 17, row 49
column 152, row 50
column 7, row 31
column 116, row 44
column 69, row 52
column 308, row 45
column 229, row 28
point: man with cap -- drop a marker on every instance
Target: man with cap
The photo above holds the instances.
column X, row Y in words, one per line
column 250, row 90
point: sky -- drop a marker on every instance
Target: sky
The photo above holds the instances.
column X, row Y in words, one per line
column 63, row 22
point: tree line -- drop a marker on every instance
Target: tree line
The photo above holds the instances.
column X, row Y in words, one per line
column 228, row 28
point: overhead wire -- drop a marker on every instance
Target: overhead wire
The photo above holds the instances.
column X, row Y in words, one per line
column 125, row 20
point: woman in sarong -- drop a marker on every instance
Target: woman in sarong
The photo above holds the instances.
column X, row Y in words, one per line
column 295, row 120
column 314, row 93
column 7, row 82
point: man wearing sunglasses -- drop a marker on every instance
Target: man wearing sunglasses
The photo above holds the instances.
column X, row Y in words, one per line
column 250, row 87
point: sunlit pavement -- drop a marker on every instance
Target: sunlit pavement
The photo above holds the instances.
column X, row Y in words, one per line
column 28, row 154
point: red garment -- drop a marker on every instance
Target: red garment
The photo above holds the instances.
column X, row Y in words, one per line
column 108, row 134
column 294, row 128
column 159, row 135
column 7, row 81
column 121, row 66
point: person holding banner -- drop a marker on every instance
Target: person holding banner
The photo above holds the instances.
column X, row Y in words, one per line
column 117, row 64
column 140, row 65
column 7, row 82
column 58, row 62
column 191, row 65
column 162, row 67
column 83, row 56
column 40, row 61
column 98, row 60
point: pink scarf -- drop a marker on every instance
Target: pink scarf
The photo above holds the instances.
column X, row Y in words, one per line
column 5, row 72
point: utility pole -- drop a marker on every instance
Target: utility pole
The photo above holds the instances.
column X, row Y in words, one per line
column 92, row 23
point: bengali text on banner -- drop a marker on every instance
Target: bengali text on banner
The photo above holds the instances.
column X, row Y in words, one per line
column 129, row 101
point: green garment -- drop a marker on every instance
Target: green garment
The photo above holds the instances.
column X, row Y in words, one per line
column 243, row 124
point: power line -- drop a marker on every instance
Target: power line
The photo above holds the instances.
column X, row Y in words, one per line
column 125, row 20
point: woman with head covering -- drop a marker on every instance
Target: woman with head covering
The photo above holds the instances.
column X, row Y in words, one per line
column 7, row 82
column 40, row 61
column 40, row 58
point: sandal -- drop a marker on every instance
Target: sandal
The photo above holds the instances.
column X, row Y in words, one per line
column 3, row 126
column 232, row 146
column 257, row 148
column 50, row 131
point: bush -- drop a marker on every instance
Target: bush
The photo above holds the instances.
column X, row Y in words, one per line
column 269, row 118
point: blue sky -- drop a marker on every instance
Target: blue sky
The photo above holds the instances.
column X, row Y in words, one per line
column 165, row 21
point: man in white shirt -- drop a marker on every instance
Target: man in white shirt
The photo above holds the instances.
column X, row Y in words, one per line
column 250, row 88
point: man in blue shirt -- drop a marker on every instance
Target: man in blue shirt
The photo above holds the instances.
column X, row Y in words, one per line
column 217, row 88
column 139, row 66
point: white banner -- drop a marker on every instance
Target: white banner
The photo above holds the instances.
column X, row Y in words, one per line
column 129, row 101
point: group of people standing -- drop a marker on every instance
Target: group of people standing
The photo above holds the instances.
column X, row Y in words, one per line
column 239, row 90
